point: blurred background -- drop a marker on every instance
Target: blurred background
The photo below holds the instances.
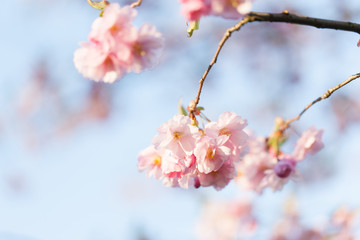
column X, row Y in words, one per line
column 69, row 146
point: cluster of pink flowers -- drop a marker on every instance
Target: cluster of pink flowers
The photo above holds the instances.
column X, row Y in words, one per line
column 262, row 167
column 184, row 155
column 117, row 47
column 193, row 10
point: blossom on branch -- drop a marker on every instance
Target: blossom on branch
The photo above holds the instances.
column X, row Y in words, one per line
column 191, row 156
column 193, row 10
column 264, row 167
column 117, row 47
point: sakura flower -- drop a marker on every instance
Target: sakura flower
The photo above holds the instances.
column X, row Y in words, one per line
column 220, row 178
column 276, row 177
column 232, row 9
column 193, row 10
column 178, row 171
column 231, row 125
column 263, row 167
column 145, row 47
column 117, row 47
column 177, row 135
column 251, row 170
column 211, row 153
column 100, row 62
column 150, row 160
column 309, row 143
column 115, row 22
column 172, row 166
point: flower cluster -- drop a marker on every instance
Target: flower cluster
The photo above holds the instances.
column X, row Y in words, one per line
column 265, row 167
column 117, row 47
column 184, row 155
column 193, row 10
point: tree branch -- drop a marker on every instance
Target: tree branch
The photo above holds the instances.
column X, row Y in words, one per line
column 284, row 17
column 136, row 4
column 287, row 17
column 324, row 96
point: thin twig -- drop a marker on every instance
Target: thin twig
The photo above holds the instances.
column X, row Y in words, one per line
column 284, row 17
column 327, row 94
column 213, row 61
column 136, row 4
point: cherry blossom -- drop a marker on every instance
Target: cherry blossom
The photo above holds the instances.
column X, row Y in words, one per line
column 117, row 47
column 263, row 167
column 211, row 153
column 193, row 10
column 309, row 143
column 191, row 157
column 232, row 9
column 177, row 135
column 151, row 161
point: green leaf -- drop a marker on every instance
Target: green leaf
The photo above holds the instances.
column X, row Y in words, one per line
column 181, row 108
column 193, row 26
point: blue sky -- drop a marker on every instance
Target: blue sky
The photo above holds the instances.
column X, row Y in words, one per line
column 86, row 186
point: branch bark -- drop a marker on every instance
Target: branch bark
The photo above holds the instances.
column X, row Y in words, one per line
column 284, row 17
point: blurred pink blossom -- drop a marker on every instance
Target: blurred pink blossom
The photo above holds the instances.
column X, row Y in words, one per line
column 116, row 47
column 226, row 221
column 232, row 9
column 309, row 143
column 193, row 10
column 263, row 167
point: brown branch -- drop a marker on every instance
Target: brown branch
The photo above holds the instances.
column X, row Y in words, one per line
column 136, row 4
column 287, row 17
column 213, row 61
column 284, row 17
column 327, row 94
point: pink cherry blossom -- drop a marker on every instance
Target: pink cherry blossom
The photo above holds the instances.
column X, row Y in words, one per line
column 177, row 135
column 231, row 125
column 178, row 171
column 211, row 153
column 220, row 178
column 251, row 169
column 115, row 22
column 309, row 143
column 150, row 160
column 101, row 61
column 232, row 9
column 193, row 10
column 172, row 166
column 145, row 48
column 117, row 47
column 277, row 176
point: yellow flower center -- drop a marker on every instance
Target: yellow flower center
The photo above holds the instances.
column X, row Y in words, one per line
column 138, row 50
column 157, row 161
column 176, row 135
column 225, row 131
column 210, row 153
column 234, row 3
